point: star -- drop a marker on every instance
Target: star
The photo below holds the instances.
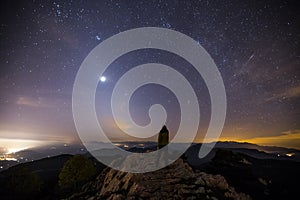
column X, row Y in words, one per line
column 98, row 37
column 254, row 46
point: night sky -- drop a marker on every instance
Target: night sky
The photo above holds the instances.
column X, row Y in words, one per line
column 255, row 45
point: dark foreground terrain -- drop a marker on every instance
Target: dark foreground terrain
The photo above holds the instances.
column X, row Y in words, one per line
column 260, row 178
column 225, row 174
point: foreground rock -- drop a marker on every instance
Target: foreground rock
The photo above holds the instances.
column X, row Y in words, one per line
column 177, row 181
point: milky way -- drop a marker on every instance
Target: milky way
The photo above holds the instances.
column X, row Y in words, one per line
column 255, row 45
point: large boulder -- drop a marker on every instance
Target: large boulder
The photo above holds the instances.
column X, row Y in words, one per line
column 177, row 181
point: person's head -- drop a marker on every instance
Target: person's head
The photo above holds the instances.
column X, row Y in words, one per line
column 164, row 129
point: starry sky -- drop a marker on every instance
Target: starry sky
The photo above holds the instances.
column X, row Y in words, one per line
column 255, row 45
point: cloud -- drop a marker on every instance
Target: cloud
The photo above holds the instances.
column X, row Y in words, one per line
column 39, row 102
column 285, row 94
column 289, row 132
column 31, row 135
column 15, row 145
column 3, row 150
column 289, row 138
column 33, row 102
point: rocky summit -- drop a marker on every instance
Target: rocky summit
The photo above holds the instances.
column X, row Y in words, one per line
column 176, row 181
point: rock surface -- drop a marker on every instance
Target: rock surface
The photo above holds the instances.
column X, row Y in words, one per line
column 177, row 181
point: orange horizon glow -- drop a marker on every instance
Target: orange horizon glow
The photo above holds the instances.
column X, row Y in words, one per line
column 288, row 139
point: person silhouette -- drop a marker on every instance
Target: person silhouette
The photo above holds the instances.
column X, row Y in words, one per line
column 163, row 137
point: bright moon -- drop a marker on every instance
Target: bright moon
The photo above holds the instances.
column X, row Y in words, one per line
column 102, row 78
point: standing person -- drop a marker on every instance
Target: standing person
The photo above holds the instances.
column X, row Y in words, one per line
column 163, row 137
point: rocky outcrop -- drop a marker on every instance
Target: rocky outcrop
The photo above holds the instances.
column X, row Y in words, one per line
column 177, row 181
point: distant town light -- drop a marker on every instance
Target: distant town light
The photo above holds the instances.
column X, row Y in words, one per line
column 290, row 154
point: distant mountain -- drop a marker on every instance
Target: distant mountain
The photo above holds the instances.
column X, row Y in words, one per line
column 253, row 150
column 263, row 152
column 246, row 145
